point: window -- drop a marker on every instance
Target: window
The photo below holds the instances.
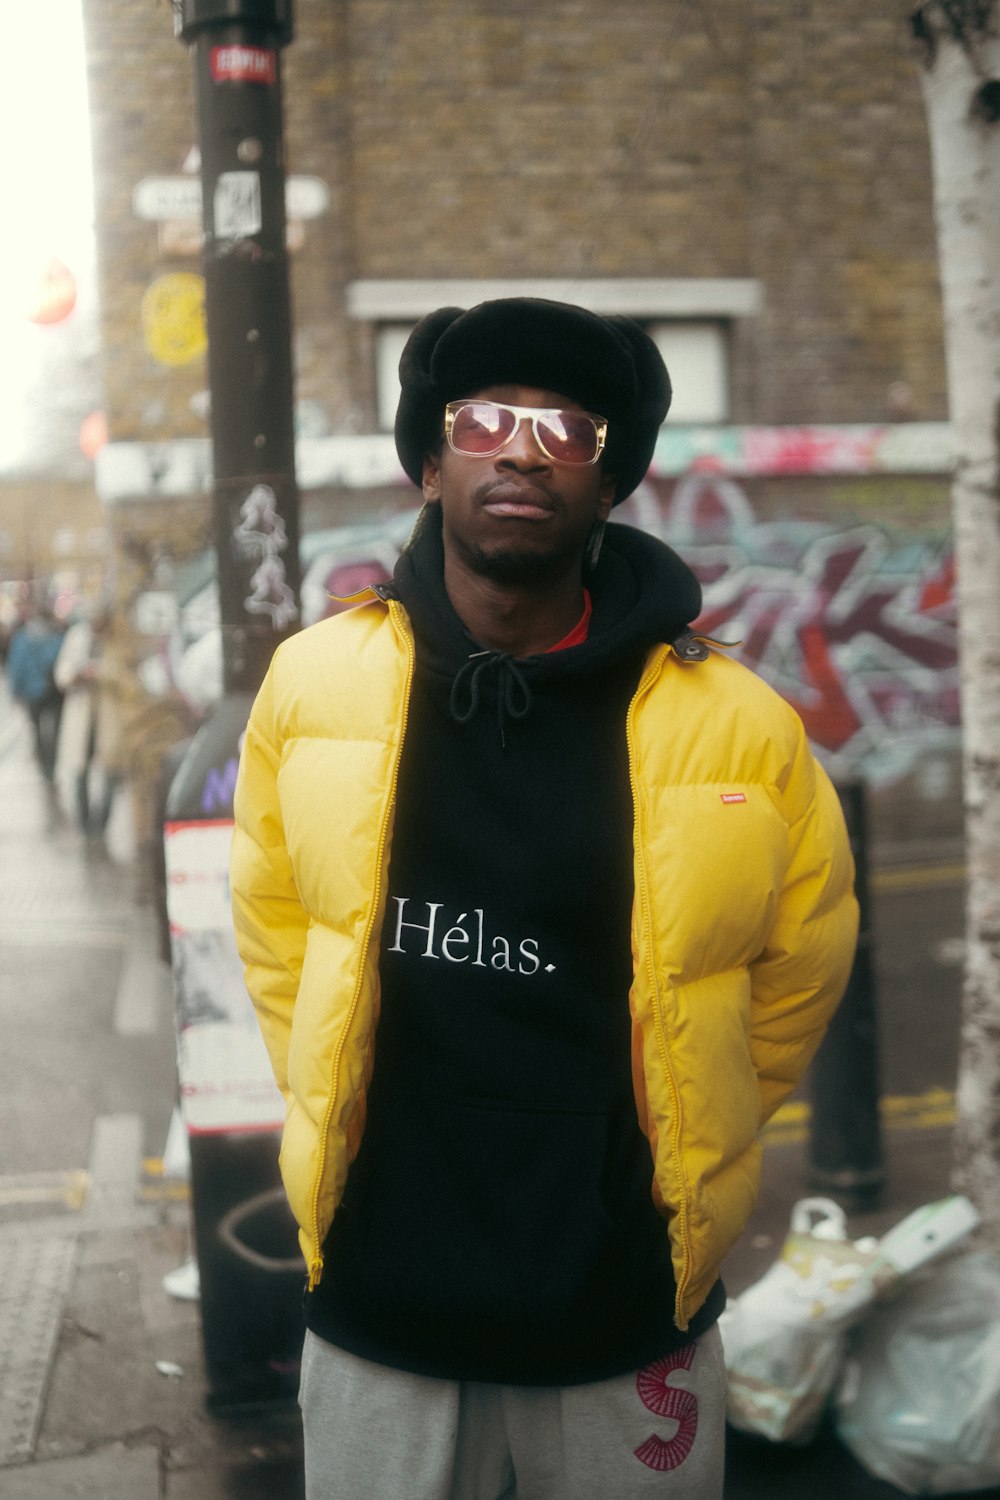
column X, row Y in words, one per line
column 689, row 318
column 389, row 341
column 697, row 357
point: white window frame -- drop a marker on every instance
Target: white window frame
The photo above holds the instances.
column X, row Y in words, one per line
column 696, row 353
column 699, row 309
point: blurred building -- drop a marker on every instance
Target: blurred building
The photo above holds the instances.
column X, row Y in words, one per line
column 749, row 180
column 53, row 530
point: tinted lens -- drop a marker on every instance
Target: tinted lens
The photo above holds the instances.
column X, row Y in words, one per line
column 481, row 428
column 570, row 437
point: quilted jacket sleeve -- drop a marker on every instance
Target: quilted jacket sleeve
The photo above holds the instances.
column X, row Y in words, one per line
column 270, row 921
column 799, row 977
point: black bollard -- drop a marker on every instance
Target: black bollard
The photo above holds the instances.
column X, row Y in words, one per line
column 845, row 1147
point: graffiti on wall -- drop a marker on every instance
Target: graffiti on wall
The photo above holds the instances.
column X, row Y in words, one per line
column 854, row 624
column 848, row 611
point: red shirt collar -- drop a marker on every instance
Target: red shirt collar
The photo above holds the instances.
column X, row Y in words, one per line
column 578, row 634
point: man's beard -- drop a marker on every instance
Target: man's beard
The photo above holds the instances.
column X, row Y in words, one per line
column 516, row 565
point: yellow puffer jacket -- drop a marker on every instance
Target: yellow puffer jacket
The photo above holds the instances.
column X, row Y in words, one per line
column 743, row 931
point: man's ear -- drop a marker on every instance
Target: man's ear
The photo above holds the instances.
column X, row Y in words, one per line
column 431, row 485
column 607, row 496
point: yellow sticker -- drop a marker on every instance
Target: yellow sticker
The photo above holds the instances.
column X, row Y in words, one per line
column 173, row 318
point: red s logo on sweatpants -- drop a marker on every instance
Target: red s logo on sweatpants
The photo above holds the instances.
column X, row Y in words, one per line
column 666, row 1400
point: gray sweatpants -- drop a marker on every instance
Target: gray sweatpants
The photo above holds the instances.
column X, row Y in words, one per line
column 373, row 1433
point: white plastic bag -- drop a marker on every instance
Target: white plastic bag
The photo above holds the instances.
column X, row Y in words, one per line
column 919, row 1401
column 784, row 1337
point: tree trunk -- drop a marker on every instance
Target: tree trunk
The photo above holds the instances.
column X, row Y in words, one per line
column 965, row 150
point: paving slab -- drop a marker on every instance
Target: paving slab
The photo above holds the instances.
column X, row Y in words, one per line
column 109, row 1383
column 269, row 1480
column 255, row 1457
column 113, row 1473
column 34, row 1280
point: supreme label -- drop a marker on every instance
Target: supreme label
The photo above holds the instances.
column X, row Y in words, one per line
column 733, row 796
column 243, row 65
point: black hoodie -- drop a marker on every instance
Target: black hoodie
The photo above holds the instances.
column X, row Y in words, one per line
column 498, row 1222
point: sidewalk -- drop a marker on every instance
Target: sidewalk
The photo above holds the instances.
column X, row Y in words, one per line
column 102, row 1389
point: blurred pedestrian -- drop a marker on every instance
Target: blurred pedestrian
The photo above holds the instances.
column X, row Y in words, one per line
column 544, row 905
column 31, row 658
column 90, row 765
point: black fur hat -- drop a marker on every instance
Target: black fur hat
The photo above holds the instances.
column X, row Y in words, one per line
column 609, row 365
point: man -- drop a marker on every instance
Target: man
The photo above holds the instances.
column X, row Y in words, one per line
column 89, row 672
column 544, row 907
column 32, row 656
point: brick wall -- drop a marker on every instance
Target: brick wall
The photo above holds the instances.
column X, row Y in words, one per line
column 47, row 525
column 749, row 138
column 142, row 124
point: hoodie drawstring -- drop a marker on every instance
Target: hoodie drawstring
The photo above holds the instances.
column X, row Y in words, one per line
column 513, row 692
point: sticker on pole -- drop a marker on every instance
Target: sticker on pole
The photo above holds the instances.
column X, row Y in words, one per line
column 243, row 65
column 173, row 318
column 236, row 205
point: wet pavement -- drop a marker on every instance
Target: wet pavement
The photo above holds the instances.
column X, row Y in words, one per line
column 103, row 1394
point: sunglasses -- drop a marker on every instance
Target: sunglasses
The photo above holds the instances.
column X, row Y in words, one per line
column 480, row 429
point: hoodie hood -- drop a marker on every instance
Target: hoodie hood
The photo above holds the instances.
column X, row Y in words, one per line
column 642, row 594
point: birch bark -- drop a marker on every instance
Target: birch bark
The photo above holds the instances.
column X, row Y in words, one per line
column 961, row 91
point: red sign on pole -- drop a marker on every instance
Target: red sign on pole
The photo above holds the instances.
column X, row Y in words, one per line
column 236, row 64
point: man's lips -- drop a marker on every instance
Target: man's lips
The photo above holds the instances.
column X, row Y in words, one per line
column 521, row 501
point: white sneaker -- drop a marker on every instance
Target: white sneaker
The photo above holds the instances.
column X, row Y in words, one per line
column 185, row 1282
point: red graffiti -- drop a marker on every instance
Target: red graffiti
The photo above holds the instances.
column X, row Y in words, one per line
column 937, row 593
column 829, row 716
column 803, row 450
column 856, row 627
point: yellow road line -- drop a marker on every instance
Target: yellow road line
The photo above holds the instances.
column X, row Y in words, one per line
column 68, row 1188
column 932, row 1110
column 164, row 1192
column 917, row 877
column 157, row 1187
column 56, row 935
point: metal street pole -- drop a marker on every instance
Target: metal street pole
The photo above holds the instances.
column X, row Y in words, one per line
column 237, row 53
column 845, row 1144
column 249, row 1265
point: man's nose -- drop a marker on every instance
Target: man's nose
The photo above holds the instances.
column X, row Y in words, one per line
column 523, row 450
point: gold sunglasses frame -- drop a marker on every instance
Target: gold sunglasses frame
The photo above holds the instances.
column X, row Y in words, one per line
column 525, row 413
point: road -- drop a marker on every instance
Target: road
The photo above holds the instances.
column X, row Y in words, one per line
column 84, row 1002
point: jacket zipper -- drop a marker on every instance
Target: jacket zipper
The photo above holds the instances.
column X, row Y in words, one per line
column 649, row 677
column 402, row 630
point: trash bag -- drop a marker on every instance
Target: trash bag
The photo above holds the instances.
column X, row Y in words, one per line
column 919, row 1400
column 784, row 1337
